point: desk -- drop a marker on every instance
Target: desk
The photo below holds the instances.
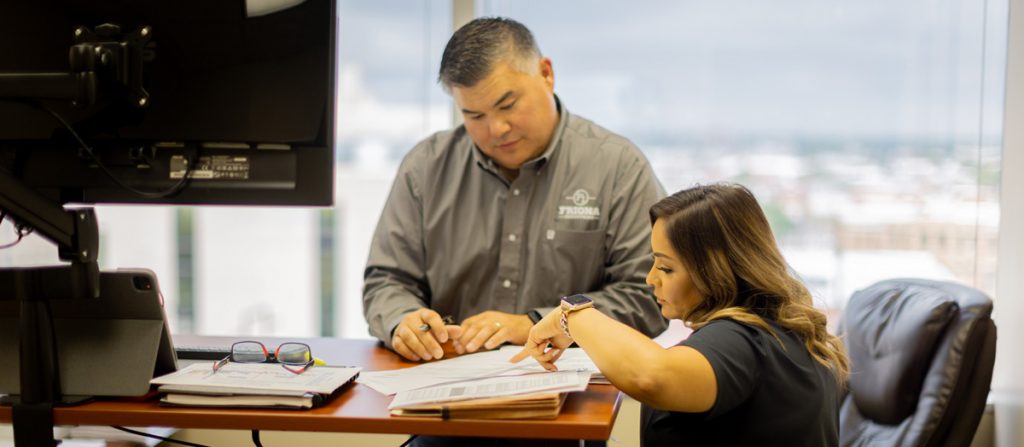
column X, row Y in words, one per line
column 359, row 409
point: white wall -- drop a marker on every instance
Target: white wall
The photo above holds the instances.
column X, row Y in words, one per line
column 1008, row 382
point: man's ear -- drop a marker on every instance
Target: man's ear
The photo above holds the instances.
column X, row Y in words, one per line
column 547, row 71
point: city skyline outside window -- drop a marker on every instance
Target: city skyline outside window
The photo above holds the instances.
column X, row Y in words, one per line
column 870, row 132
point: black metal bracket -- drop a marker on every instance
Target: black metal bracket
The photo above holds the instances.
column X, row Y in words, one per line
column 104, row 64
column 98, row 58
column 76, row 235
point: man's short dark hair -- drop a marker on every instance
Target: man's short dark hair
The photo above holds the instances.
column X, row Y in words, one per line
column 477, row 46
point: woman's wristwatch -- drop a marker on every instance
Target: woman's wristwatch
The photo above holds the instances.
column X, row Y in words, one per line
column 570, row 304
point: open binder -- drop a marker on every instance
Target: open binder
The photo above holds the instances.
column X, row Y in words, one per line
column 264, row 385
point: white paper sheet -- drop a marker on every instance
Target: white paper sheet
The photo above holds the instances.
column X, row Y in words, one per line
column 561, row 381
column 469, row 367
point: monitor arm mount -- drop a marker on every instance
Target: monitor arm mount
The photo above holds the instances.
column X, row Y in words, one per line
column 76, row 235
column 98, row 58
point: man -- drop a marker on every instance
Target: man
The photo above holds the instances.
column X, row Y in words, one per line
column 496, row 220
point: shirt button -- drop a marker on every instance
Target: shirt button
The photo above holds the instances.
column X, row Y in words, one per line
column 507, row 284
column 512, row 237
column 515, row 192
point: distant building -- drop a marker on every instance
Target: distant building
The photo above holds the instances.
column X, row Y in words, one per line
column 951, row 242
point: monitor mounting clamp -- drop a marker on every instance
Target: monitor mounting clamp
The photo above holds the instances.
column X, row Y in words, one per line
column 98, row 59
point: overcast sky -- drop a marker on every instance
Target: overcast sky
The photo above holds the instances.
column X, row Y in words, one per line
column 876, row 69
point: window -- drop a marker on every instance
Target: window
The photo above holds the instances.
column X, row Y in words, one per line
column 870, row 132
column 389, row 100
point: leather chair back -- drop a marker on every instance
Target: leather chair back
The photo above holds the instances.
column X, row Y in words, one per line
column 921, row 357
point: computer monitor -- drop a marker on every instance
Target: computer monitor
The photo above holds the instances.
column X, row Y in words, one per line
column 239, row 95
column 149, row 101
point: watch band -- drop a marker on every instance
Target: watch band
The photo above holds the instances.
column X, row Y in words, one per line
column 564, row 320
column 572, row 304
column 535, row 316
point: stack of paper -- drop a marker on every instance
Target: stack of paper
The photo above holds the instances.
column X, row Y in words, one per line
column 570, row 360
column 265, row 385
column 530, row 406
column 473, row 366
column 530, row 396
column 95, row 436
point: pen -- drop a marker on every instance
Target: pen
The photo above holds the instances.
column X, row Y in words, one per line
column 447, row 320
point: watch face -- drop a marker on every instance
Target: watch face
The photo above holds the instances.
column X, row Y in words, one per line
column 576, row 300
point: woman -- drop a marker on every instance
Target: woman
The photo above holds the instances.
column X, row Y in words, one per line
column 759, row 368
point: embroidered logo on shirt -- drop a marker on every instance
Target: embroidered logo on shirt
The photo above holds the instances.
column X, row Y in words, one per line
column 579, row 209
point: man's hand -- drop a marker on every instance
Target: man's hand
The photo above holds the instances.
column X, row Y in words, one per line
column 547, row 331
column 490, row 329
column 414, row 343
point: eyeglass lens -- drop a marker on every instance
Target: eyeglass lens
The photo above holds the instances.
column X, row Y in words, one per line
column 256, row 352
column 248, row 352
column 293, row 353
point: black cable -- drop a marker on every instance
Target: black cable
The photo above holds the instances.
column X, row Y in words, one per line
column 9, row 244
column 256, row 438
column 147, row 194
column 3, row 215
column 150, row 435
column 22, row 230
column 407, row 441
column 19, row 229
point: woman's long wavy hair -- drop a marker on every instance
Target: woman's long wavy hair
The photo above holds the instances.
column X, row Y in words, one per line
column 727, row 246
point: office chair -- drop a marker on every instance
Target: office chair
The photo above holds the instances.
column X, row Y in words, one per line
column 921, row 356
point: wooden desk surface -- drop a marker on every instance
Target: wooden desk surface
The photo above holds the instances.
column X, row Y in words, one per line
column 359, row 409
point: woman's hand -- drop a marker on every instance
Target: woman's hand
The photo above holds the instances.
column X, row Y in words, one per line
column 547, row 331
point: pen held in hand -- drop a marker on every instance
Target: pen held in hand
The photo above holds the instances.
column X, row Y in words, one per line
column 447, row 320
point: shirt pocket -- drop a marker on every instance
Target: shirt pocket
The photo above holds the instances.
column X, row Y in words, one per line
column 578, row 259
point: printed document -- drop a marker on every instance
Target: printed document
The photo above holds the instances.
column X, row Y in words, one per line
column 469, row 367
column 556, row 382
